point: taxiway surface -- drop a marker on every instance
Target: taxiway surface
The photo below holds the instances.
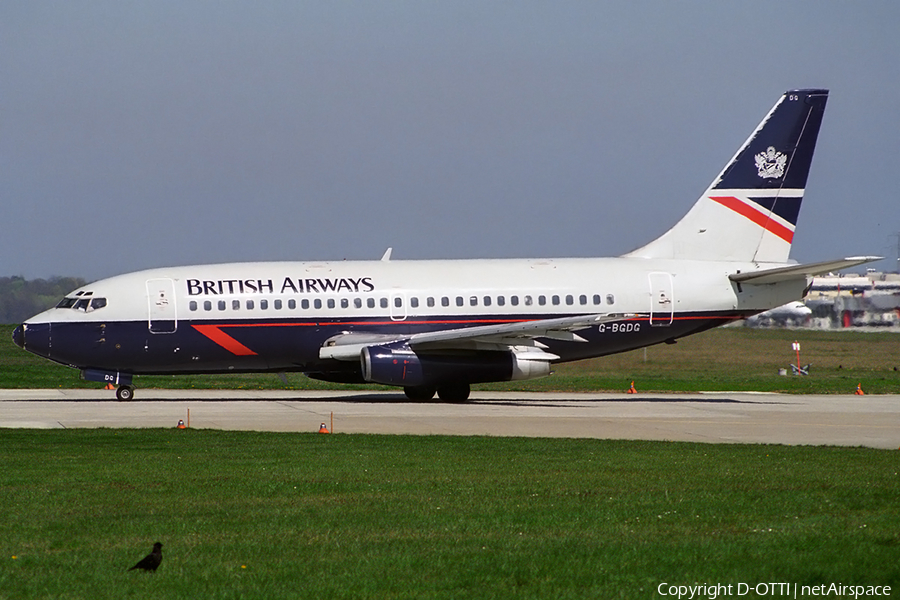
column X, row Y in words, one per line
column 714, row 417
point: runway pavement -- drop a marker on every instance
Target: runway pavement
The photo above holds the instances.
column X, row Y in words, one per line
column 714, row 417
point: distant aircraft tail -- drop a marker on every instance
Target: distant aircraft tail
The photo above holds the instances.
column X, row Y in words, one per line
column 750, row 210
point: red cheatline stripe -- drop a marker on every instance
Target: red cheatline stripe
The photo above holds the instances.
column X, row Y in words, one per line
column 223, row 339
column 763, row 220
column 408, row 321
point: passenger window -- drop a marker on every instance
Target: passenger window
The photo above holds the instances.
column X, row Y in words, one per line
column 430, row 302
column 542, row 300
column 528, row 301
column 555, row 300
column 222, row 305
column 384, row 303
column 514, row 300
column 235, row 305
column 345, row 303
column 398, row 301
column 445, row 301
column 207, row 305
column 501, row 300
column 277, row 305
column 597, row 299
column 304, row 304
column 192, row 305
column 487, row 300
column 570, row 300
column 317, row 303
column 250, row 304
column 292, row 304
column 330, row 302
column 582, row 299
column 370, row 302
column 414, row 302
column 473, row 301
column 263, row 304
column 357, row 302
column 610, row 299
column 459, row 301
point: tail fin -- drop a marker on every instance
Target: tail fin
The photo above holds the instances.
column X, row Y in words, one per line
column 750, row 210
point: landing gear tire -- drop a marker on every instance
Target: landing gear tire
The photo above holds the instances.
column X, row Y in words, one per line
column 125, row 393
column 454, row 392
column 419, row 393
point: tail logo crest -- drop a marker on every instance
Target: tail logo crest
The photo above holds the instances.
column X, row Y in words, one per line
column 771, row 163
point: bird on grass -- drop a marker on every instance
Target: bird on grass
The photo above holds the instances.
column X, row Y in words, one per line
column 151, row 561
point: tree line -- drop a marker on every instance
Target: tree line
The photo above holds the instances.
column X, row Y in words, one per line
column 21, row 298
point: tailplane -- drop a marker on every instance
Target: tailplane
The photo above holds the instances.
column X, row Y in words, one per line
column 750, row 210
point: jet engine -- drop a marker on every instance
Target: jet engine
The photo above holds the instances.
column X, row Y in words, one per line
column 400, row 365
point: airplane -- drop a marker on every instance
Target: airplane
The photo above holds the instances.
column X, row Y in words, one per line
column 792, row 313
column 439, row 326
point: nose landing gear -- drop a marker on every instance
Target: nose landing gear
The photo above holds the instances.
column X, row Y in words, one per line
column 125, row 391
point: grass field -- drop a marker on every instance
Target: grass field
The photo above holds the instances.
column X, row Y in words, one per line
column 721, row 359
column 267, row 515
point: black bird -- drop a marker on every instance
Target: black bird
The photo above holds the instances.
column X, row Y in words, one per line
column 151, row 561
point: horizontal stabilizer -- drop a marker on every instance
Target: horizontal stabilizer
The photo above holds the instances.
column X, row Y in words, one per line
column 790, row 272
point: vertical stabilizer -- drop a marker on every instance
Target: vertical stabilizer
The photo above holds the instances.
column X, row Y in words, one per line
column 750, row 211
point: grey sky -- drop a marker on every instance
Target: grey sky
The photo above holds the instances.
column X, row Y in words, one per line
column 159, row 133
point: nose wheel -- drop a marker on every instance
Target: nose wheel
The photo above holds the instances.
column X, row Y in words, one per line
column 125, row 393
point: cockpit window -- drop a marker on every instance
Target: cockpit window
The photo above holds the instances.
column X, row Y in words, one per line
column 85, row 303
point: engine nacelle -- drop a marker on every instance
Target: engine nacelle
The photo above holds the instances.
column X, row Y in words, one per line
column 528, row 368
column 398, row 364
column 391, row 365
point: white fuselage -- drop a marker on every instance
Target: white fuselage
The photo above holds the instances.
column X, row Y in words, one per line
column 212, row 317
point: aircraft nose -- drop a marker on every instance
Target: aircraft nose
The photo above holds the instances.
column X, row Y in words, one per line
column 34, row 337
column 19, row 336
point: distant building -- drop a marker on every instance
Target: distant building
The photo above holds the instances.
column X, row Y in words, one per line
column 839, row 301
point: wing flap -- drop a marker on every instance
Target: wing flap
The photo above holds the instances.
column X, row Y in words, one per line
column 347, row 346
column 559, row 328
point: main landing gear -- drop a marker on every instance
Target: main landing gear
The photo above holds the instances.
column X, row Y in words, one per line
column 449, row 392
column 125, row 393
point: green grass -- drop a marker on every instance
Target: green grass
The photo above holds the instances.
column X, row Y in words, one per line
column 269, row 515
column 721, row 359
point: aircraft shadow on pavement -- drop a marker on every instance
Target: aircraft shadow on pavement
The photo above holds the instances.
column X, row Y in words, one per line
column 382, row 398
column 525, row 402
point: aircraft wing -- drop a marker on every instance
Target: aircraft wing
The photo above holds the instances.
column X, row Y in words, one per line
column 789, row 272
column 347, row 346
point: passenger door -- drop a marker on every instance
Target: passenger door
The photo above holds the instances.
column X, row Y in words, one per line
column 662, row 299
column 162, row 312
